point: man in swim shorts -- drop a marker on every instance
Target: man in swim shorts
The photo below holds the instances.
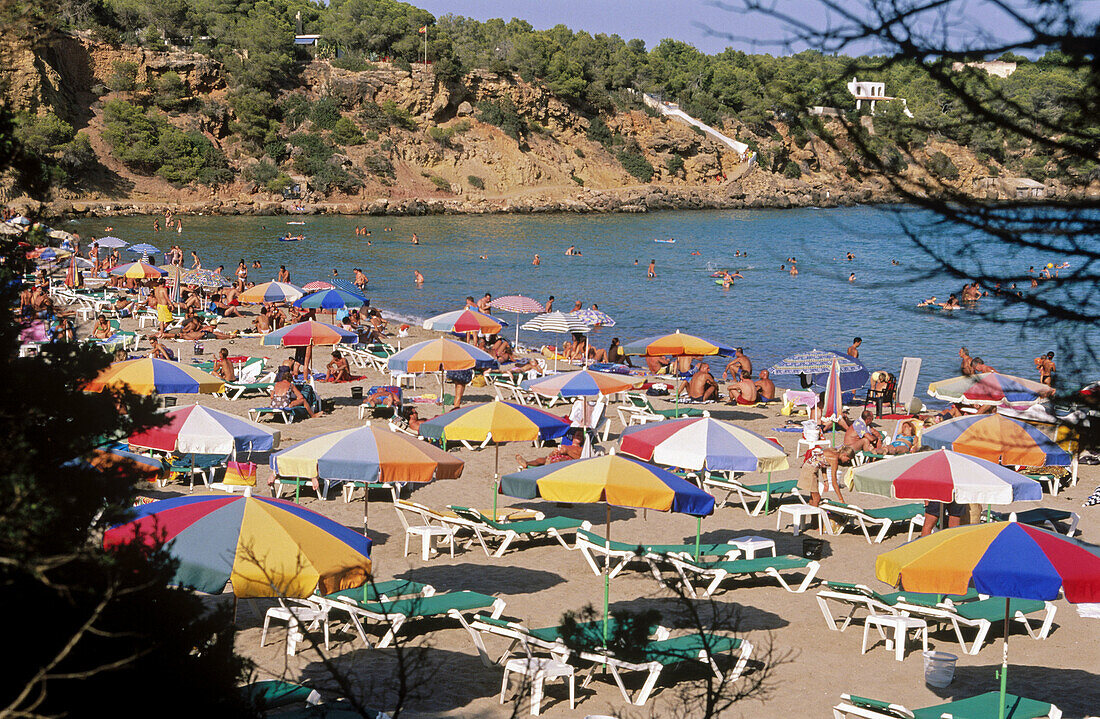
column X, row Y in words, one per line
column 164, row 313
column 765, row 385
column 702, row 386
column 953, row 511
column 739, row 363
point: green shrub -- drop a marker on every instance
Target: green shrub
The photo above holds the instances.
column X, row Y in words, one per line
column 894, row 162
column 389, row 114
column 261, row 172
column 325, row 113
column 402, row 64
column 441, row 183
column 147, row 143
column 792, row 170
column 940, row 165
column 277, row 151
column 576, row 179
column 379, row 165
column 346, row 132
column 674, row 164
column 503, row 114
column 444, row 135
column 123, row 77
column 636, row 165
column 295, row 109
column 253, row 120
column 598, row 131
column 578, row 152
column 476, row 182
column 170, row 92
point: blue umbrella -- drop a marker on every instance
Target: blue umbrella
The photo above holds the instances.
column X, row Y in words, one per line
column 110, row 241
column 331, row 300
column 144, row 248
column 817, row 364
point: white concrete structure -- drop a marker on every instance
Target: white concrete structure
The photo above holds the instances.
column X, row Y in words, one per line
column 671, row 109
column 1000, row 68
column 872, row 92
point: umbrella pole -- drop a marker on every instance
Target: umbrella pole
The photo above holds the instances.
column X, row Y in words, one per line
column 698, row 531
column 768, row 496
column 1004, row 667
column 366, row 506
column 496, row 478
column 606, row 566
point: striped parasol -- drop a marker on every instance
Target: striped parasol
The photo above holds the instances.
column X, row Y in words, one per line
column 817, row 364
column 137, row 271
column 593, row 318
column 834, row 395
column 677, row 344
column 149, row 374
column 310, row 332
column 109, row 241
column 333, row 299
column 558, row 322
column 271, row 292
column 519, row 304
column 439, row 355
column 317, row 285
column 464, row 320
column 990, row 388
column 998, row 439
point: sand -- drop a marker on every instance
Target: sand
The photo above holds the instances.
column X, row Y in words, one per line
column 542, row 580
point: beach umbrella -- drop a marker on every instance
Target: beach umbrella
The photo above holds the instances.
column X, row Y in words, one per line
column 149, row 374
column 439, row 355
column 558, row 322
column 593, row 318
column 331, row 300
column 944, row 476
column 996, row 438
column 704, row 444
column 138, row 271
column 317, row 285
column 816, row 365
column 109, row 241
column 265, row 547
column 990, row 388
column 309, row 333
column 498, row 422
column 366, row 454
column 585, row 383
column 201, row 430
column 271, row 292
column 834, row 399
column 209, row 279
column 48, row 253
column 519, row 305
column 20, row 220
column 464, row 320
column 114, row 457
column 676, row 344
column 143, row 248
column 1001, row 559
column 612, row 480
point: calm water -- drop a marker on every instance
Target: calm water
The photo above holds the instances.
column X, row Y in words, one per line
column 769, row 313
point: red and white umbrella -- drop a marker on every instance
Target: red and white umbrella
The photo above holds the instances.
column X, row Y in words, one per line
column 318, row 285
column 945, row 476
column 834, row 401
column 520, row 305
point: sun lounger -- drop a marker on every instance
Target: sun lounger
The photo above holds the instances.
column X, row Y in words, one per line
column 639, row 410
column 396, row 613
column 982, row 706
column 593, row 545
column 379, row 408
column 190, row 465
column 758, row 492
column 717, row 572
column 883, row 518
column 861, row 597
column 981, row 615
column 276, row 694
column 660, row 652
column 488, row 531
column 1055, row 519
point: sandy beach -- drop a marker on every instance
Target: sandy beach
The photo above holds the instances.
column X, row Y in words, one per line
column 539, row 581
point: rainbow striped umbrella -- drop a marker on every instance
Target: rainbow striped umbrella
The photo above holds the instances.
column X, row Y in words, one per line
column 834, row 395
column 439, row 355
column 498, row 422
column 265, row 547
column 149, row 374
column 366, row 454
column 271, row 292
column 702, row 443
column 310, row 332
column 945, row 476
column 202, row 430
column 613, row 480
column 332, row 299
column 584, row 383
column 1002, row 559
column 990, row 388
column 137, row 271
column 996, row 438
column 464, row 320
column 676, row 344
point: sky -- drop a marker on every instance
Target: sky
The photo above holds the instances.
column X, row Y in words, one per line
column 711, row 28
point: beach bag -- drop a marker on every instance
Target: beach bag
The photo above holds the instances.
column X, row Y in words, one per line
column 478, row 381
column 786, row 409
column 240, row 474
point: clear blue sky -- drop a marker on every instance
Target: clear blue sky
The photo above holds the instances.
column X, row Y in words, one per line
column 702, row 24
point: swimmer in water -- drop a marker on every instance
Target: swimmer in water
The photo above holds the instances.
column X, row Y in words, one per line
column 794, row 271
column 930, row 301
column 852, row 277
column 652, row 271
column 416, row 240
column 537, row 261
column 417, row 277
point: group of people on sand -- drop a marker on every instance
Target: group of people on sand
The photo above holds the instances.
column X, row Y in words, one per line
column 701, row 386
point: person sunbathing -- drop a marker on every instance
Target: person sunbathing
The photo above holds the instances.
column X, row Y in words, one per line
column 382, row 397
column 905, row 442
column 744, row 391
column 412, row 418
column 564, row 453
column 284, row 395
column 765, row 386
column 337, row 370
column 861, row 436
column 102, row 329
column 702, row 386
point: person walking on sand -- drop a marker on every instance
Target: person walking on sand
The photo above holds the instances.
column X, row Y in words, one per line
column 652, row 270
column 164, row 313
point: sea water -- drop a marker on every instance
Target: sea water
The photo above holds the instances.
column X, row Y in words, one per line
column 769, row 313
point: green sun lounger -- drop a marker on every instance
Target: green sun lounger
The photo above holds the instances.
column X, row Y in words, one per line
column 487, row 531
column 384, row 591
column 397, row 612
column 593, row 545
column 761, row 493
column 982, row 706
column 858, row 597
column 275, row 694
column 718, row 572
column 981, row 615
column 885, row 518
column 1055, row 519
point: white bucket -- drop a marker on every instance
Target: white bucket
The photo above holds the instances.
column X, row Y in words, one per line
column 939, row 668
column 811, row 431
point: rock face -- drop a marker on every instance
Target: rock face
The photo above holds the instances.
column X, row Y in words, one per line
column 443, row 157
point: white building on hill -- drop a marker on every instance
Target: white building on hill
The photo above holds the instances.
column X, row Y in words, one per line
column 872, row 92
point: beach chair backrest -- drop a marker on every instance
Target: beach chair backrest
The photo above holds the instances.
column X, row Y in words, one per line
column 907, row 380
column 250, row 370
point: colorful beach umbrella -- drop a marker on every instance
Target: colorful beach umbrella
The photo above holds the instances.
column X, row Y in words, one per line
column 138, row 271
column 439, row 355
column 945, row 476
column 144, row 248
column 816, row 365
column 366, row 454
column 208, row 279
column 203, row 430
column 996, row 438
column 558, row 322
column 464, row 320
column 703, row 443
column 1002, row 559
column 584, row 383
column 333, row 299
column 593, row 318
column 496, row 421
column 310, row 332
column 834, row 395
column 265, row 547
column 990, row 388
column 149, row 374
column 677, row 344
column 612, row 480
column 317, row 285
column 271, row 292
column 109, row 241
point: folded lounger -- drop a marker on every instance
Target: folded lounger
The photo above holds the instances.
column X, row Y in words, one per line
column 777, row 491
column 593, row 545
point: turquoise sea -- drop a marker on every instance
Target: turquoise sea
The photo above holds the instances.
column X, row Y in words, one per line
column 768, row 312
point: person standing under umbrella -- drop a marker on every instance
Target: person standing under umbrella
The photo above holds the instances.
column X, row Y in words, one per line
column 164, row 314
